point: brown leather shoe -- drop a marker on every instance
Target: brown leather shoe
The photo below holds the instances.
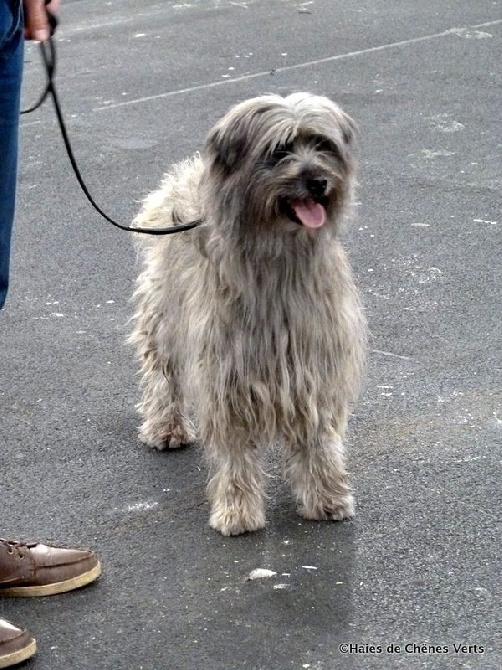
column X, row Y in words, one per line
column 35, row 569
column 15, row 645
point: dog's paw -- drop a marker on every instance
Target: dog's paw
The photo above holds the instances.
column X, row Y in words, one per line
column 230, row 521
column 170, row 436
column 336, row 509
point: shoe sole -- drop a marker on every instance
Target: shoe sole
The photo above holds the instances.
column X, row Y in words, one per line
column 18, row 656
column 54, row 588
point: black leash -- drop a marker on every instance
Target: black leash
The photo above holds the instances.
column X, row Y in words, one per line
column 48, row 52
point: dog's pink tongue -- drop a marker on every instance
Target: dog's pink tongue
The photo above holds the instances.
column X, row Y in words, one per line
column 311, row 214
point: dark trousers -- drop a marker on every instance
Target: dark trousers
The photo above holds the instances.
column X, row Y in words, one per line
column 11, row 68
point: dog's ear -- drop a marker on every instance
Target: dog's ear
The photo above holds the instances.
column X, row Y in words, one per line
column 225, row 145
column 349, row 128
column 232, row 139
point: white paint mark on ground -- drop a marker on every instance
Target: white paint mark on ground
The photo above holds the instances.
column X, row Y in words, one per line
column 96, row 26
column 468, row 459
column 481, row 591
column 298, row 66
column 142, row 506
column 493, row 223
column 260, row 573
column 309, row 567
column 430, row 154
column 388, row 353
column 426, row 275
column 29, row 123
column 445, row 124
column 471, row 34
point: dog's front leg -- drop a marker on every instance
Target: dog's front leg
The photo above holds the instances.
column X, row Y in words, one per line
column 235, row 489
column 318, row 478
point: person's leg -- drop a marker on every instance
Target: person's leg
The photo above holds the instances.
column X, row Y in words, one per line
column 26, row 569
column 11, row 66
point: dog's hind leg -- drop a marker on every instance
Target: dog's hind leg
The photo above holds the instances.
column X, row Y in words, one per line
column 165, row 425
column 318, row 477
column 235, row 489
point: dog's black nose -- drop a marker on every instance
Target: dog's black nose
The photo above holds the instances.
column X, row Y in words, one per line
column 317, row 187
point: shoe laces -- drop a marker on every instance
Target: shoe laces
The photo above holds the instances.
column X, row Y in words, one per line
column 18, row 547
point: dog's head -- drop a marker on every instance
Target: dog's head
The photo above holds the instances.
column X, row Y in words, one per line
column 282, row 161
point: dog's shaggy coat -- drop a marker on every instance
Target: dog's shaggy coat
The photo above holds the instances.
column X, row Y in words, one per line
column 252, row 321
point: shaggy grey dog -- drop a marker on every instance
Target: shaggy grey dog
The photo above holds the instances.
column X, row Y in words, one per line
column 252, row 321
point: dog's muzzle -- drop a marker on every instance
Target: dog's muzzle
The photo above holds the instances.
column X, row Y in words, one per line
column 308, row 207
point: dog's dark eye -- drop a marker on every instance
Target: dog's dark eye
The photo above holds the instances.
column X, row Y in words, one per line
column 326, row 146
column 281, row 151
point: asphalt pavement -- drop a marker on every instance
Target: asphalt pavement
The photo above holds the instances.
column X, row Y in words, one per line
column 414, row 580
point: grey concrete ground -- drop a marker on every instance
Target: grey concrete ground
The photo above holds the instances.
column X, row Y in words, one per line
column 141, row 83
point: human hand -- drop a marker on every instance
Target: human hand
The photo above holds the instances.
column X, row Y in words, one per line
column 36, row 25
